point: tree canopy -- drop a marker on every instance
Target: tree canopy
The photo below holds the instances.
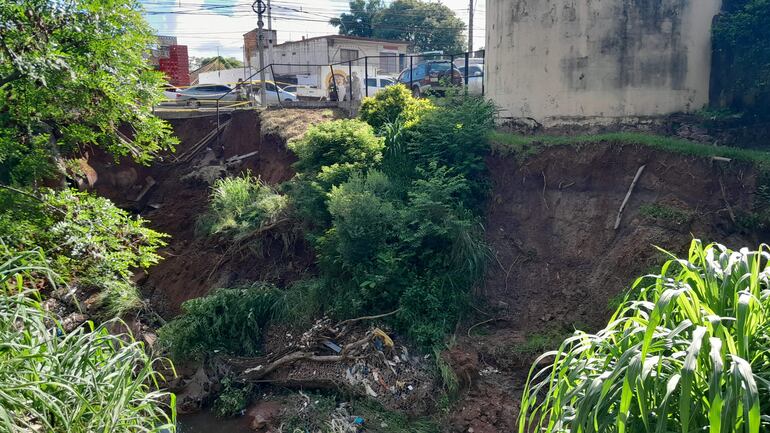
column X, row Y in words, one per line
column 221, row 62
column 426, row 26
column 71, row 73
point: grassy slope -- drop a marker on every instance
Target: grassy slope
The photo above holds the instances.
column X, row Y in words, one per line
column 526, row 145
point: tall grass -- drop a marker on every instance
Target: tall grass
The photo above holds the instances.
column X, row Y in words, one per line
column 81, row 382
column 525, row 145
column 241, row 205
column 691, row 352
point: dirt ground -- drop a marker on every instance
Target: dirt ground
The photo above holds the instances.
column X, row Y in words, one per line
column 557, row 260
column 193, row 266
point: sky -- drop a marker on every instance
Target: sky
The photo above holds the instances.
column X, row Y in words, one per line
column 216, row 27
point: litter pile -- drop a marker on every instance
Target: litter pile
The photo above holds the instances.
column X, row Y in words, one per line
column 348, row 357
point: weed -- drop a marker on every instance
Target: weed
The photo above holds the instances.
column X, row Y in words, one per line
column 691, row 352
column 665, row 213
column 227, row 320
column 449, row 380
column 232, row 400
column 83, row 381
column 241, row 205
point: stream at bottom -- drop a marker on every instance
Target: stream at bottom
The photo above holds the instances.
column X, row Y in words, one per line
column 206, row 422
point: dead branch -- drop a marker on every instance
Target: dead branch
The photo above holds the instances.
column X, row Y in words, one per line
column 628, row 195
column 359, row 319
column 545, row 184
column 727, row 203
column 483, row 323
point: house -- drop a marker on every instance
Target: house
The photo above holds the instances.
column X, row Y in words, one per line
column 604, row 59
column 324, row 50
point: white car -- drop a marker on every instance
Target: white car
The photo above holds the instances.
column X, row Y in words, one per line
column 375, row 84
column 271, row 94
column 475, row 78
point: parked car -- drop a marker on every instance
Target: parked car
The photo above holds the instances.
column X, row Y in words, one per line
column 431, row 76
column 270, row 92
column 169, row 92
column 208, row 94
column 475, row 78
column 375, row 84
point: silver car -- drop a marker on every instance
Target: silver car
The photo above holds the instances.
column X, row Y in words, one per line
column 208, row 94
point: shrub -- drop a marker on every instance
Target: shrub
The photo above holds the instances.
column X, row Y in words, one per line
column 345, row 142
column 456, row 137
column 392, row 104
column 241, row 205
column 688, row 353
column 84, row 381
column 91, row 243
column 232, row 400
column 227, row 320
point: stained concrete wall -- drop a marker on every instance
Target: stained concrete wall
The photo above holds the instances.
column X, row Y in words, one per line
column 598, row 58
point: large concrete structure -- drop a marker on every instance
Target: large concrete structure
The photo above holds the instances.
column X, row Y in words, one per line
column 602, row 59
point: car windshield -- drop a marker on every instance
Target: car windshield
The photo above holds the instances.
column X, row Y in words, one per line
column 440, row 67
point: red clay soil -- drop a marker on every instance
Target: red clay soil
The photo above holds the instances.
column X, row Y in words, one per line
column 558, row 261
column 192, row 265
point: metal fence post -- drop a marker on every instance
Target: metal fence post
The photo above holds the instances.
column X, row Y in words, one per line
column 483, row 70
column 411, row 70
column 218, row 143
column 334, row 82
column 466, row 69
column 366, row 76
column 275, row 85
column 350, row 82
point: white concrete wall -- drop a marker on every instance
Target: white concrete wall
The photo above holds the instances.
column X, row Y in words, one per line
column 598, row 58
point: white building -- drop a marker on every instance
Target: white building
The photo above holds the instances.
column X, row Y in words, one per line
column 325, row 50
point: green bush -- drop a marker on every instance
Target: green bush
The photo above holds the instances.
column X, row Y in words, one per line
column 240, row 205
column 347, row 143
column 456, row 137
column 392, row 104
column 422, row 255
column 227, row 320
column 232, row 400
column 90, row 242
column 689, row 352
column 84, row 381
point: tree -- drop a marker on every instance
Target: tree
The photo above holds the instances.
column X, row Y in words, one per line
column 426, row 26
column 360, row 19
column 72, row 73
column 220, row 62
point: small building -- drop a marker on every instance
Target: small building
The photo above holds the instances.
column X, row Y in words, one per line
column 171, row 59
column 250, row 45
column 605, row 59
column 324, row 50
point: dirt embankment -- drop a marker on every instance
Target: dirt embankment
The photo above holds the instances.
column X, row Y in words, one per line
column 194, row 265
column 558, row 261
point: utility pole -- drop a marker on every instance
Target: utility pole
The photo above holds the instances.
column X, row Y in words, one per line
column 270, row 34
column 259, row 7
column 470, row 27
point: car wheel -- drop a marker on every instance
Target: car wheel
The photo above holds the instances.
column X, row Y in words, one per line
column 193, row 103
column 416, row 91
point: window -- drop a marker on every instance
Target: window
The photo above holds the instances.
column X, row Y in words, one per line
column 389, row 63
column 371, row 82
column 385, row 82
column 346, row 55
column 419, row 72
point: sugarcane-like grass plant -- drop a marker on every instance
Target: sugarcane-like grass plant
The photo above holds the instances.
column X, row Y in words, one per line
column 84, row 381
column 689, row 351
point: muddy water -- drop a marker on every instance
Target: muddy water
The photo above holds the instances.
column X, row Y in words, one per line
column 206, row 422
